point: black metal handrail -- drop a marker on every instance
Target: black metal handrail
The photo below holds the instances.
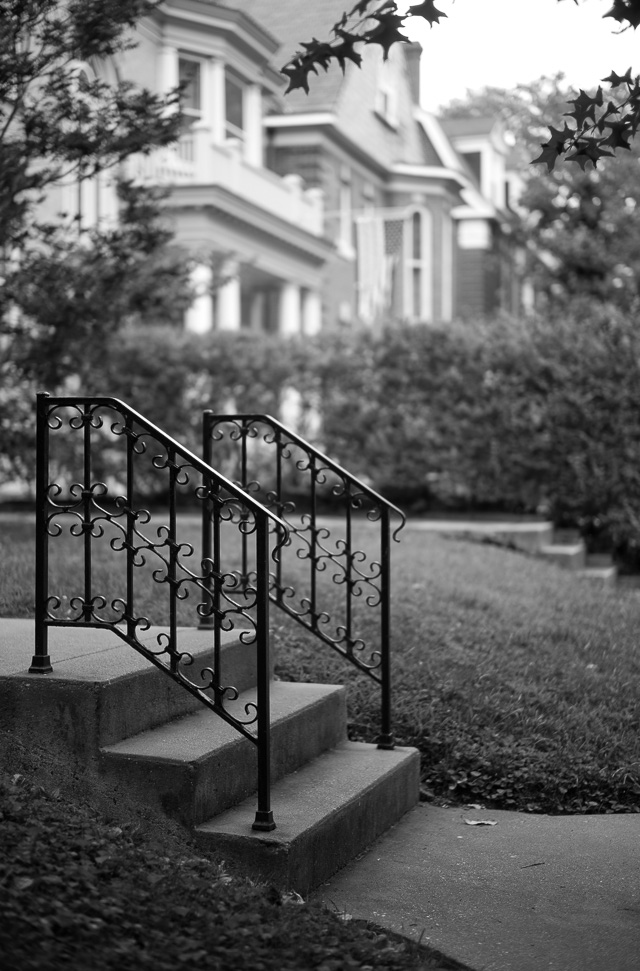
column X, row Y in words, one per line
column 76, row 434
column 286, row 472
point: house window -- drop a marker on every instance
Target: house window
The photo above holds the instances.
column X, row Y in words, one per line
column 189, row 78
column 386, row 105
column 417, row 276
column 345, row 227
column 234, row 107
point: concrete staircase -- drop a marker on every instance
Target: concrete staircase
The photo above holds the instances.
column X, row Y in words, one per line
column 568, row 550
column 331, row 798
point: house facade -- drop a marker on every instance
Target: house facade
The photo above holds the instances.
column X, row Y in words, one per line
column 348, row 205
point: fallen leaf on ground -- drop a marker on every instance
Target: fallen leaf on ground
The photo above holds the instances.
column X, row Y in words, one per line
column 481, row 822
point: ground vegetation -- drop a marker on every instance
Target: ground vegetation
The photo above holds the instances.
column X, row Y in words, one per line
column 515, row 680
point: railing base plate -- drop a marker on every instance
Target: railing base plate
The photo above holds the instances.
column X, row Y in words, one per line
column 40, row 664
column 264, row 821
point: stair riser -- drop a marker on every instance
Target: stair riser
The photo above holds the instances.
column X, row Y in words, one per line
column 316, row 854
column 83, row 715
column 568, row 558
column 143, row 700
column 191, row 792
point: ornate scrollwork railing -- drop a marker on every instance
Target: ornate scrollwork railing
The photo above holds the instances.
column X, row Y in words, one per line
column 119, row 560
column 345, row 597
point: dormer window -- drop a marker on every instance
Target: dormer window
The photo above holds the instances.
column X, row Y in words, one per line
column 386, row 95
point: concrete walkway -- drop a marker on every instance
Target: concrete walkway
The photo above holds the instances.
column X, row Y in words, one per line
column 531, row 893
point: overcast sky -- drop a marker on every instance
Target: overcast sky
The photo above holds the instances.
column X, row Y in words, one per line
column 503, row 42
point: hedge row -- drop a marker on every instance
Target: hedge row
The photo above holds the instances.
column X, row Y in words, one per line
column 541, row 415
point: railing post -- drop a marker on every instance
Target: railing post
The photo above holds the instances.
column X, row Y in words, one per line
column 41, row 662
column 385, row 739
column 207, row 509
column 264, row 816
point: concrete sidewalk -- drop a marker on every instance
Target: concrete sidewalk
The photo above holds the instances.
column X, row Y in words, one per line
column 532, row 893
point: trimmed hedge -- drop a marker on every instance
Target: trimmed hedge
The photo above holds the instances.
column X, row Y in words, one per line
column 541, row 415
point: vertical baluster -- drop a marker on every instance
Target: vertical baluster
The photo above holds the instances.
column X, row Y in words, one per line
column 349, row 573
column 207, row 510
column 244, row 515
column 313, row 552
column 385, row 739
column 130, row 521
column 41, row 662
column 279, row 510
column 173, row 559
column 87, row 609
column 264, row 816
column 217, row 595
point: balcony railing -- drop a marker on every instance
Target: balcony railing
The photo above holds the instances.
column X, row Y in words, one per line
column 197, row 160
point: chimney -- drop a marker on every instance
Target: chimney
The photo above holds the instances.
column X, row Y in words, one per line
column 412, row 51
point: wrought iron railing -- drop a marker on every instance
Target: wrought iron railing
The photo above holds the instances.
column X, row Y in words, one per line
column 324, row 508
column 106, row 557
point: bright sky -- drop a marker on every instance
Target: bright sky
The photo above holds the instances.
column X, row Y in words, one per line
column 504, row 42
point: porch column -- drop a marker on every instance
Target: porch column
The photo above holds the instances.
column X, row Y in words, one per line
column 168, row 68
column 207, row 91
column 217, row 102
column 252, row 104
column 289, row 319
column 311, row 312
column 199, row 316
column 229, row 305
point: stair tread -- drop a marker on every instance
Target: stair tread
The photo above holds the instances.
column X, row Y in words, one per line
column 563, row 548
column 195, row 736
column 92, row 654
column 324, row 786
column 599, row 572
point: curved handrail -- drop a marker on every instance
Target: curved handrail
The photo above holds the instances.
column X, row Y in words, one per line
column 327, row 461
column 366, row 581
column 106, row 401
column 96, row 511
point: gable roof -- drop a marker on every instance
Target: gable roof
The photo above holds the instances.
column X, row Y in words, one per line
column 293, row 23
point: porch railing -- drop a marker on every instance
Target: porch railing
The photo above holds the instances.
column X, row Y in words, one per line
column 327, row 577
column 106, row 560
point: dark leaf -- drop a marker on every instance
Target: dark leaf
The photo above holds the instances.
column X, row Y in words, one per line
column 386, row 33
column 427, row 10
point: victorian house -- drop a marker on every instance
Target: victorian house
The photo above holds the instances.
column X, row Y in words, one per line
column 348, row 205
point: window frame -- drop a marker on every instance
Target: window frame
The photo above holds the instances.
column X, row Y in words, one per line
column 420, row 262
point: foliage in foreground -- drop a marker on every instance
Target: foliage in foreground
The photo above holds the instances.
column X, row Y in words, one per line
column 600, row 125
column 77, row 891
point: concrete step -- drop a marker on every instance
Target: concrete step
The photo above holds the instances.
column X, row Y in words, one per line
column 102, row 690
column 326, row 814
column 569, row 556
column 198, row 766
column 600, row 569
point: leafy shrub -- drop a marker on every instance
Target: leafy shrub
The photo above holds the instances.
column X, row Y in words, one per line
column 540, row 415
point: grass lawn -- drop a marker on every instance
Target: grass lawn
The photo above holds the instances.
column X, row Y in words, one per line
column 519, row 683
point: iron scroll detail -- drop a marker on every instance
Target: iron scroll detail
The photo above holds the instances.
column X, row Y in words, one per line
column 345, row 599
column 113, row 494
